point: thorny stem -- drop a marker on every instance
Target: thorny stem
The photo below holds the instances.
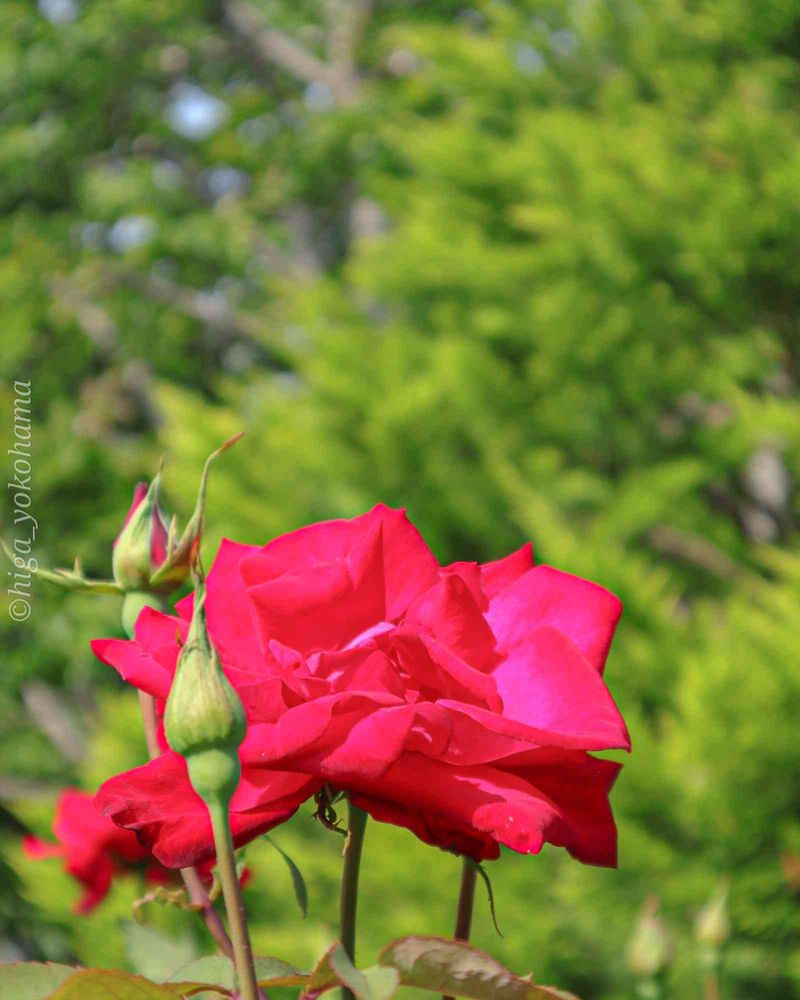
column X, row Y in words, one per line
column 231, row 890
column 466, row 900
column 356, row 825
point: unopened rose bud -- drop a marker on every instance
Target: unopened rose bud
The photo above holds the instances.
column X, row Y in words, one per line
column 712, row 927
column 649, row 949
column 141, row 547
column 149, row 557
column 204, row 719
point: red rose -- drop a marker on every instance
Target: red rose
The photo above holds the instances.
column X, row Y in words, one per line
column 95, row 850
column 457, row 701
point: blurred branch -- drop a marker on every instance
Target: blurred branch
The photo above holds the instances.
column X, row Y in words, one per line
column 274, row 47
column 347, row 20
column 93, row 320
column 191, row 302
column 24, row 788
column 203, row 307
column 270, row 47
column 693, row 549
column 47, row 710
column 273, row 256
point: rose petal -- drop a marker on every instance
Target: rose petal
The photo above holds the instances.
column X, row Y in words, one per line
column 547, row 683
column 38, row 849
column 470, row 573
column 158, row 802
column 586, row 613
column 335, row 736
column 497, row 575
column 430, row 672
column 139, row 493
column 449, row 613
column 148, row 660
column 474, row 809
column 366, row 669
column 580, row 787
column 409, row 568
column 230, row 624
column 322, row 608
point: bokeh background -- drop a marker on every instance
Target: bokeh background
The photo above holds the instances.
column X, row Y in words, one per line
column 530, row 269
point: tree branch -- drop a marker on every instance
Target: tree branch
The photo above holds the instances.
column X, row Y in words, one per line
column 693, row 549
column 347, row 20
column 24, row 788
column 273, row 47
column 192, row 302
column 47, row 711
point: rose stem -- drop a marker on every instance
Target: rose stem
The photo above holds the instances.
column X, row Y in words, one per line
column 232, row 893
column 199, row 897
column 147, row 704
column 194, row 887
column 356, row 825
column 466, row 900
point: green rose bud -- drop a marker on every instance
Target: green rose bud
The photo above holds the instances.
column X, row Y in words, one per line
column 712, row 927
column 141, row 547
column 204, row 719
column 649, row 949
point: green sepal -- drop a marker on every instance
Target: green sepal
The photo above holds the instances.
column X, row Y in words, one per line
column 69, row 579
column 181, row 554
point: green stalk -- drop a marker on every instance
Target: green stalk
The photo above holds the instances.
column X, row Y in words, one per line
column 232, row 893
column 356, row 825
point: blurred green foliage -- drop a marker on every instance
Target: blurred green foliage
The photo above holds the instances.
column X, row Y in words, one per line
column 528, row 269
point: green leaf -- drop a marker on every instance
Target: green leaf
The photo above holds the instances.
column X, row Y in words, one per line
column 298, row 882
column 457, row 969
column 323, row 976
column 31, row 980
column 382, row 981
column 210, row 969
column 274, row 972
column 347, row 974
column 153, row 953
column 106, row 984
column 335, row 968
column 217, row 972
